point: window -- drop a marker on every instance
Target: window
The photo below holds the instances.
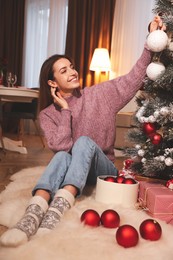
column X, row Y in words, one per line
column 45, row 35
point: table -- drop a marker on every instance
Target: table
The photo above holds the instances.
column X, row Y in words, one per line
column 20, row 94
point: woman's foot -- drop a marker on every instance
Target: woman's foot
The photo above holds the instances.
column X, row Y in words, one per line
column 62, row 201
column 28, row 225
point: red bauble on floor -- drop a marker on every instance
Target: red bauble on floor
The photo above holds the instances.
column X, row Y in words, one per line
column 110, row 218
column 90, row 217
column 127, row 236
column 150, row 229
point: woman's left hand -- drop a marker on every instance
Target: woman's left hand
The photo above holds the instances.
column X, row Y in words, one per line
column 58, row 99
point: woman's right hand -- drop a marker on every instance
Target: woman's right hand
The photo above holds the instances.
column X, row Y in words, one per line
column 58, row 99
column 157, row 23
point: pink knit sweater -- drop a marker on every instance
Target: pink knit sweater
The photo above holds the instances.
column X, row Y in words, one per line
column 92, row 111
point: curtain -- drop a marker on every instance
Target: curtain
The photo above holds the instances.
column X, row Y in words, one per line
column 57, row 27
column 12, row 31
column 89, row 27
column 130, row 29
column 45, row 33
column 35, row 41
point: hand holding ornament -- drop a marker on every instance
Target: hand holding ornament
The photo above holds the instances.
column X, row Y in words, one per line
column 157, row 39
column 157, row 23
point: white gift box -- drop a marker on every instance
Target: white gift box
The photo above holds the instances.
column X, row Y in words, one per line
column 122, row 194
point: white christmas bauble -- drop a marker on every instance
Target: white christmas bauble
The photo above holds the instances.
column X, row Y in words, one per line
column 157, row 40
column 155, row 70
column 141, row 152
column 164, row 111
column 138, row 146
column 143, row 160
column 168, row 161
column 161, row 158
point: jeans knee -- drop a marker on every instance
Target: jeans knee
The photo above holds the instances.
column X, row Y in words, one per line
column 61, row 156
column 84, row 140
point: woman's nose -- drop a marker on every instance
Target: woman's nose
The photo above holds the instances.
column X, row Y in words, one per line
column 72, row 71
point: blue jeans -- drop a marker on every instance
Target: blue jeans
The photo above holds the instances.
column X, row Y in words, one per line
column 85, row 162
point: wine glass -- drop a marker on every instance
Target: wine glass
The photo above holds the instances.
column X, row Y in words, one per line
column 8, row 78
column 1, row 77
column 13, row 79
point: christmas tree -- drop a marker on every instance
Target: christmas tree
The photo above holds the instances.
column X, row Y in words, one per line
column 152, row 153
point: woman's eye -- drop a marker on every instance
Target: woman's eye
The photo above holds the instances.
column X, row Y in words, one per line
column 63, row 71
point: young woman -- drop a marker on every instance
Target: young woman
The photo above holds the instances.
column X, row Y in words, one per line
column 79, row 126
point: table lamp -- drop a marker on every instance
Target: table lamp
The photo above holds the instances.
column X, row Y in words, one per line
column 100, row 62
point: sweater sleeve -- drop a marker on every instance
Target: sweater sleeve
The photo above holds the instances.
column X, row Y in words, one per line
column 57, row 132
column 119, row 91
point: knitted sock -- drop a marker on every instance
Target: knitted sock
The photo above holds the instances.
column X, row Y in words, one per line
column 62, row 201
column 28, row 224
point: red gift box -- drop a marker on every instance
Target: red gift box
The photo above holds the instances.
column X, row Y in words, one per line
column 157, row 200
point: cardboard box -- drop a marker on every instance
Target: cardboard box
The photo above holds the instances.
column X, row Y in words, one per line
column 124, row 119
column 124, row 122
column 157, row 199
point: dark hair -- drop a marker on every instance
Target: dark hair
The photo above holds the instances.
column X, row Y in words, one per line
column 46, row 73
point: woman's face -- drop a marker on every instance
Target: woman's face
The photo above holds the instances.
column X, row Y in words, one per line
column 65, row 76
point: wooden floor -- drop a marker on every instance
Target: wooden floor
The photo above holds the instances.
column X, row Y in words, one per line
column 12, row 162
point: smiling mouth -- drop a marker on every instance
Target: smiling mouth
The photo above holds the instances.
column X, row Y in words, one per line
column 73, row 79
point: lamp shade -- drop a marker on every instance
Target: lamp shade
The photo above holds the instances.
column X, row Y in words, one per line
column 100, row 60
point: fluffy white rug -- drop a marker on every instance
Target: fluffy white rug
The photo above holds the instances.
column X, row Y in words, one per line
column 71, row 239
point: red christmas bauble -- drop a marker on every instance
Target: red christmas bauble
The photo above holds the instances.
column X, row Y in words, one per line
column 127, row 236
column 150, row 229
column 156, row 138
column 110, row 178
column 127, row 163
column 90, row 217
column 110, row 218
column 149, row 128
column 169, row 184
column 120, row 179
column 129, row 181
